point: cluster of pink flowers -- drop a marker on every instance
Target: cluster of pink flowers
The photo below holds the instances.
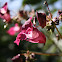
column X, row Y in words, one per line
column 26, row 30
column 30, row 33
column 4, row 13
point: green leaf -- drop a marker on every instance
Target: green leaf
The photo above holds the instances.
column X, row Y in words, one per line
column 32, row 2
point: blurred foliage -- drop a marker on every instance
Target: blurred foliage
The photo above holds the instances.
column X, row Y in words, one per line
column 40, row 4
column 31, row 2
column 8, row 48
column 51, row 1
column 53, row 11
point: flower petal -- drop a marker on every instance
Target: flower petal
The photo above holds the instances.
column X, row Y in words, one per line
column 41, row 17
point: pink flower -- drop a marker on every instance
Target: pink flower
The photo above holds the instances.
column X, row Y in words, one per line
column 35, row 36
column 27, row 24
column 20, row 36
column 30, row 33
column 14, row 29
column 41, row 17
column 4, row 13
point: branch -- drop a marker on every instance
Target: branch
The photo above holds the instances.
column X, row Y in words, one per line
column 47, row 54
column 48, row 8
column 58, row 31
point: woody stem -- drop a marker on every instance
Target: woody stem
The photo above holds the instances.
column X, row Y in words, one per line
column 48, row 54
column 48, row 8
column 58, row 31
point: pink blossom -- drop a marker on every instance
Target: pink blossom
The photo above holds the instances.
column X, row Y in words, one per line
column 14, row 29
column 30, row 33
column 35, row 36
column 4, row 13
column 4, row 8
column 19, row 37
column 27, row 24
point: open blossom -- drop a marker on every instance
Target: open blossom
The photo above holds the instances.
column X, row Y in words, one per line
column 41, row 17
column 4, row 13
column 14, row 29
column 35, row 36
column 30, row 33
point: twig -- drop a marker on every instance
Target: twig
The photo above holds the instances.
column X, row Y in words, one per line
column 58, row 31
column 48, row 8
column 47, row 54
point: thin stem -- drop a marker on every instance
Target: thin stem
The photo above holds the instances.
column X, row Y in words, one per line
column 48, row 8
column 47, row 54
column 58, row 31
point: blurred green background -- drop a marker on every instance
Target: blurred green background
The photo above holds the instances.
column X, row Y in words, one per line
column 8, row 49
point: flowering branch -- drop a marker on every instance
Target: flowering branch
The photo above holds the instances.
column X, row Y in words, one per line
column 52, row 20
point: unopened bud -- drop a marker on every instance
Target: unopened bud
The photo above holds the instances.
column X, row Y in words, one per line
column 5, row 26
column 4, row 20
column 15, row 57
column 45, row 2
column 34, row 21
